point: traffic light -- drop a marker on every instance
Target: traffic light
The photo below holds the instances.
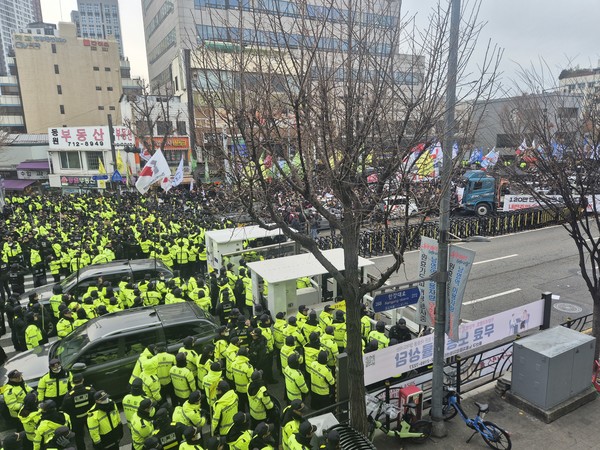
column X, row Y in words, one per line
column 130, row 149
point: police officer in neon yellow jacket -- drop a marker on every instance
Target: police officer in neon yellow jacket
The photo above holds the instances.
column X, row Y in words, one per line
column 104, row 423
column 224, row 408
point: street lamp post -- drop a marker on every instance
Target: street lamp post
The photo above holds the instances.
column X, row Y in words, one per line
column 437, row 390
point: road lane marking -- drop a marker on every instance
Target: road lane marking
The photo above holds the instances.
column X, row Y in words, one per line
column 495, row 259
column 489, row 297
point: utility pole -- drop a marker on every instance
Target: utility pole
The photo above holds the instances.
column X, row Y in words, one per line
column 114, row 156
column 441, row 299
column 190, row 103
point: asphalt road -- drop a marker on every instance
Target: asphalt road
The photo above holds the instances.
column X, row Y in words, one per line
column 513, row 270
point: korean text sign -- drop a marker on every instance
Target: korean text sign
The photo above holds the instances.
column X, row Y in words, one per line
column 411, row 355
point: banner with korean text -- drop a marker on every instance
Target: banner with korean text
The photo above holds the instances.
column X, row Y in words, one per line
column 460, row 262
column 401, row 358
column 93, row 138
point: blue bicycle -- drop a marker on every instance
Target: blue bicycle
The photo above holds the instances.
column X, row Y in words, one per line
column 492, row 434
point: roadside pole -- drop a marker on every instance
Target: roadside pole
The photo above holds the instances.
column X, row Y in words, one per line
column 114, row 157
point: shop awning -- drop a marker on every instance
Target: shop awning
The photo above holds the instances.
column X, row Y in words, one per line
column 17, row 185
column 34, row 165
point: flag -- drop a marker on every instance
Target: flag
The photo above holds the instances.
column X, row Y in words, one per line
column 156, row 169
column 490, row 159
column 437, row 154
column 120, row 164
column 454, row 150
column 476, row 156
column 144, row 153
column 415, row 152
column 557, row 150
column 101, row 167
column 178, row 177
column 521, row 148
column 425, row 164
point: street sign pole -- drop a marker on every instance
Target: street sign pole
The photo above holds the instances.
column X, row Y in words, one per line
column 114, row 155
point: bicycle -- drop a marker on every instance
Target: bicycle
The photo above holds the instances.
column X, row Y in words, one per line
column 492, row 434
column 415, row 430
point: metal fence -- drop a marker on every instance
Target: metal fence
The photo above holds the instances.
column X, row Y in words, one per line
column 380, row 242
column 465, row 373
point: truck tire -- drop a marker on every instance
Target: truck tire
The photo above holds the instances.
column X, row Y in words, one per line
column 482, row 209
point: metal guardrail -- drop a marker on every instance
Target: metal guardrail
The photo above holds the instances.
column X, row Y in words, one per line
column 380, row 242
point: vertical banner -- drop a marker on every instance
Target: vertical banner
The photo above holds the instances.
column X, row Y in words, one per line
column 459, row 266
column 428, row 254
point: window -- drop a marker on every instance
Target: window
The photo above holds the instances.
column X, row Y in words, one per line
column 181, row 129
column 70, row 160
column 166, row 9
column 174, row 334
column 94, row 49
column 62, row 108
column 136, row 343
column 164, row 45
column 56, row 71
column 98, row 88
column 53, row 48
column 109, row 88
column 107, row 69
column 163, row 127
column 100, row 108
column 59, row 89
column 93, row 158
column 96, row 68
column 112, row 108
column 103, row 352
column 567, row 113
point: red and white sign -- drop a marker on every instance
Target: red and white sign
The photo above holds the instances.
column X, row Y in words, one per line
column 522, row 201
column 90, row 43
column 93, row 138
column 123, row 136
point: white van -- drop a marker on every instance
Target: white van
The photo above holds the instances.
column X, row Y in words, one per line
column 396, row 206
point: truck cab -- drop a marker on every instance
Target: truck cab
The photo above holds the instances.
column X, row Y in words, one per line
column 480, row 194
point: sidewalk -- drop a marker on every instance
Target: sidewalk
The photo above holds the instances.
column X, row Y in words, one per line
column 578, row 430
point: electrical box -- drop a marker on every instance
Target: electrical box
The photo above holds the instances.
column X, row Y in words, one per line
column 552, row 366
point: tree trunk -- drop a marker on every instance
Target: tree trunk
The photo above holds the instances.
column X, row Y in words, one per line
column 358, row 412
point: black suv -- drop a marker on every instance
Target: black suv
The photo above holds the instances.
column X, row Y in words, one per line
column 106, row 348
column 78, row 282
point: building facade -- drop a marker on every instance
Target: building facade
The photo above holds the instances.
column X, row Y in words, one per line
column 99, row 19
column 503, row 123
column 67, row 81
column 14, row 15
column 171, row 26
column 580, row 81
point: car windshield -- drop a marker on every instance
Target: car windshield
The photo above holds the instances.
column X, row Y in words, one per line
column 68, row 282
column 68, row 348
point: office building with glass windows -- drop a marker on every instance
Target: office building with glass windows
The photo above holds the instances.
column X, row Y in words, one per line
column 99, row 19
column 14, row 15
column 171, row 26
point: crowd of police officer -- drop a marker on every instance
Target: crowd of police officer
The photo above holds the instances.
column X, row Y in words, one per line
column 219, row 398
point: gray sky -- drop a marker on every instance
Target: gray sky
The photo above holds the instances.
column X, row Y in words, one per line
column 563, row 33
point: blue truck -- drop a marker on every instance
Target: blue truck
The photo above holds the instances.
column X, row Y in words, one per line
column 481, row 192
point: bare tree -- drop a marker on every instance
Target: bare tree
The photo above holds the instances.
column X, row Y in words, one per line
column 323, row 94
column 564, row 160
column 152, row 116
